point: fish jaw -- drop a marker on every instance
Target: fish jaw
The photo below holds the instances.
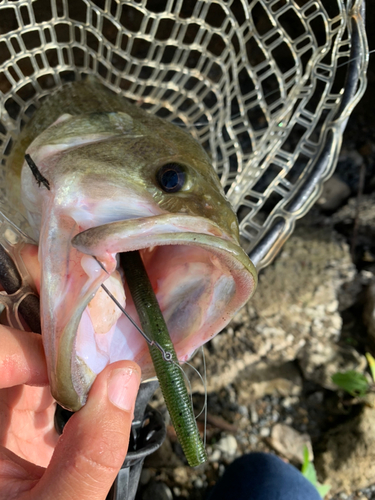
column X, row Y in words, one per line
column 201, row 277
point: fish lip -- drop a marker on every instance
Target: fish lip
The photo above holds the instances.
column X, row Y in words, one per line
column 102, row 242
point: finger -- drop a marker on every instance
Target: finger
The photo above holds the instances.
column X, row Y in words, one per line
column 22, row 358
column 93, row 446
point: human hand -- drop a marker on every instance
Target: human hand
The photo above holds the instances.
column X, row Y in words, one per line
column 35, row 463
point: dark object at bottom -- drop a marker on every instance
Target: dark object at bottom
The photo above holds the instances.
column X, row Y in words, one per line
column 262, row 476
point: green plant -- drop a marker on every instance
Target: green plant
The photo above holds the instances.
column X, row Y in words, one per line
column 308, row 470
column 355, row 383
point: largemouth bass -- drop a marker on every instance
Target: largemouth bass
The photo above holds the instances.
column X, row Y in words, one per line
column 117, row 179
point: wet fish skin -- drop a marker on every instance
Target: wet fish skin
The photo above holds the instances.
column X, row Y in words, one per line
column 97, row 111
column 101, row 156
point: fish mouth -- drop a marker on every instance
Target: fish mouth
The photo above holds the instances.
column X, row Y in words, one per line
column 200, row 276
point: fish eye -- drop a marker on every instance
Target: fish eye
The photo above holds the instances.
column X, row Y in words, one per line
column 171, row 177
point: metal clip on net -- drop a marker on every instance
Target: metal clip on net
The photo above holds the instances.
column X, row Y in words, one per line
column 21, row 302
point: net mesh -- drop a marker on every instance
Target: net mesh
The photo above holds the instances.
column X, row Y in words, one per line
column 265, row 86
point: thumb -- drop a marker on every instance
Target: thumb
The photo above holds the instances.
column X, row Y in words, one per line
column 95, row 441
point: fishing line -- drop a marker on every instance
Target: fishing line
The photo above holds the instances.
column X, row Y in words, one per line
column 354, row 59
column 204, row 386
column 166, row 354
column 204, row 383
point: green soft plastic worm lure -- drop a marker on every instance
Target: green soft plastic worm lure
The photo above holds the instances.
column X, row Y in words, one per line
column 169, row 373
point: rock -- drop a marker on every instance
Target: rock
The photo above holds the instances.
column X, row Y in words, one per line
column 316, row 398
column 359, row 212
column 296, row 301
column 350, row 291
column 366, row 277
column 253, row 439
column 346, row 214
column 163, row 457
column 227, row 445
column 353, row 155
column 263, row 379
column 319, row 361
column 289, row 401
column 265, row 432
column 214, row 456
column 290, row 443
column 198, row 483
column 146, row 476
column 348, row 462
column 299, row 295
column 253, row 414
column 157, row 491
column 335, row 192
column 180, row 475
column 242, row 410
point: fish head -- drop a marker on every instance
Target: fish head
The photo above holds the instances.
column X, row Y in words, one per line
column 117, row 182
